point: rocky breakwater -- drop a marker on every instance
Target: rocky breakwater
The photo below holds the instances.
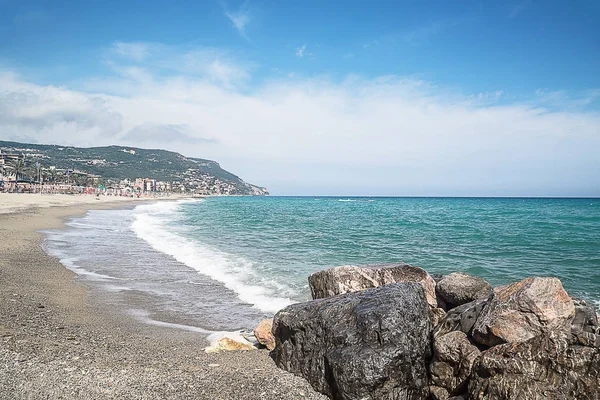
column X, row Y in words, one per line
column 392, row 332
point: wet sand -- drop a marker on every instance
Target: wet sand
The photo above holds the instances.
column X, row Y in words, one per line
column 56, row 342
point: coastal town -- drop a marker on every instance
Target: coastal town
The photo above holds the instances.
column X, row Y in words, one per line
column 29, row 170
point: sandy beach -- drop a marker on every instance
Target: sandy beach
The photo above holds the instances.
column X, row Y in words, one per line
column 57, row 343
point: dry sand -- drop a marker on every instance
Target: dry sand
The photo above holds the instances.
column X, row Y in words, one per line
column 13, row 202
column 55, row 343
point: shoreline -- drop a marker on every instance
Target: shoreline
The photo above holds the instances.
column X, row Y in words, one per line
column 57, row 342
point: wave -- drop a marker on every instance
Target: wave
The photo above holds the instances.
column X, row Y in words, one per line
column 356, row 200
column 157, row 224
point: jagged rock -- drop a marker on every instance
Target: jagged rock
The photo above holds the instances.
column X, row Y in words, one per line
column 371, row 344
column 452, row 362
column 585, row 319
column 351, row 278
column 438, row 393
column 523, row 310
column 437, row 315
column 459, row 288
column 544, row 367
column 461, row 318
column 586, row 339
column 264, row 335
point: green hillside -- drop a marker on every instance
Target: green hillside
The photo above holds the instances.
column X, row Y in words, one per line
column 121, row 162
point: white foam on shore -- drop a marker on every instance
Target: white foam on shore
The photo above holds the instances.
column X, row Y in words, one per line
column 154, row 224
column 143, row 317
column 70, row 263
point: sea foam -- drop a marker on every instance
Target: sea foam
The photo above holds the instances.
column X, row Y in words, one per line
column 161, row 226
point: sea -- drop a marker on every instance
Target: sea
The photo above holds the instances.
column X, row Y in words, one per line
column 224, row 263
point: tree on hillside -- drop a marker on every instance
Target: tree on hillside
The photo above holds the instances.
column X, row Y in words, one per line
column 18, row 168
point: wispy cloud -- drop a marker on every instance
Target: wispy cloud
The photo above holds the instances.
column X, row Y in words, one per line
column 519, row 8
column 136, row 51
column 240, row 19
column 562, row 99
column 300, row 51
column 140, row 61
column 414, row 37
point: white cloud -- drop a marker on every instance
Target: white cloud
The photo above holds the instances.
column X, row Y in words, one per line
column 134, row 61
column 240, row 19
column 519, row 8
column 136, row 51
column 300, row 51
column 389, row 135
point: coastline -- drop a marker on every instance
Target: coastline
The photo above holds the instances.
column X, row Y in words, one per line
column 57, row 343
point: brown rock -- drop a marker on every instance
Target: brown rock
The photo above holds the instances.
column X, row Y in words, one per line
column 351, row 278
column 264, row 335
column 437, row 315
column 542, row 368
column 453, row 359
column 229, row 342
column 459, row 288
column 523, row 310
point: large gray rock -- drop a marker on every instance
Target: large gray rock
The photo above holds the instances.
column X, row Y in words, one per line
column 459, row 288
column 544, row 367
column 372, row 344
column 461, row 318
column 352, row 278
column 523, row 310
column 451, row 367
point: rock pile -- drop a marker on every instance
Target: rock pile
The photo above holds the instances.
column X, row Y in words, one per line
column 391, row 332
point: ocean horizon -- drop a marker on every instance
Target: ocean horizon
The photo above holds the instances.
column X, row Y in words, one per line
column 224, row 263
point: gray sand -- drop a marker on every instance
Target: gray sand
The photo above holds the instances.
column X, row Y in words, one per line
column 55, row 343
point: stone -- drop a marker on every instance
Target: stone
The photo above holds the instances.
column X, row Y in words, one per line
column 585, row 319
column 453, row 359
column 459, row 288
column 264, row 335
column 351, row 278
column 520, row 311
column 544, row 367
column 437, row 315
column 370, row 344
column 461, row 318
column 438, row 393
column 228, row 341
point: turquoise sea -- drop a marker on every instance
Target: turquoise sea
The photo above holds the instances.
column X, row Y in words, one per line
column 226, row 262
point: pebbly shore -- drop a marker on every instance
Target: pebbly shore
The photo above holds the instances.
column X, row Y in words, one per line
column 57, row 342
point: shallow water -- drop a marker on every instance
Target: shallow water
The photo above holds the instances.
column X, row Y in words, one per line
column 224, row 263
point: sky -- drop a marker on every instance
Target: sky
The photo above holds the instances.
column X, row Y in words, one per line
column 388, row 98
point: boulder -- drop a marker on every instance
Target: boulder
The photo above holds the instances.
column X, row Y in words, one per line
column 461, row 318
column 350, row 278
column 453, row 359
column 264, row 335
column 544, row 367
column 520, row 311
column 459, row 288
column 371, row 344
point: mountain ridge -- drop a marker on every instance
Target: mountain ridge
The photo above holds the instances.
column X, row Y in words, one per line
column 115, row 163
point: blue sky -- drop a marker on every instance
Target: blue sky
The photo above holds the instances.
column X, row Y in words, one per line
column 314, row 97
